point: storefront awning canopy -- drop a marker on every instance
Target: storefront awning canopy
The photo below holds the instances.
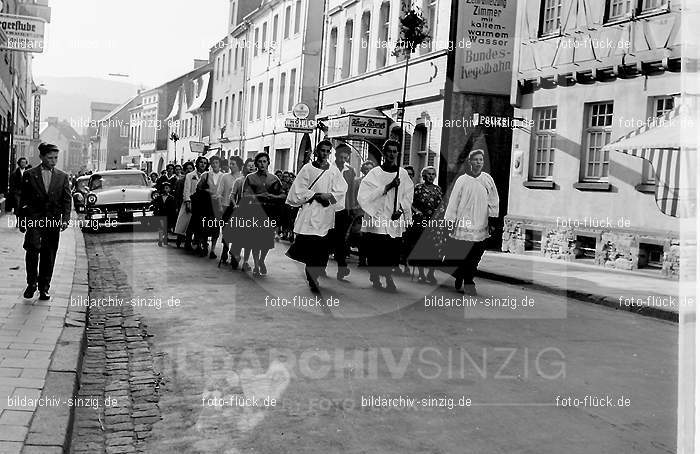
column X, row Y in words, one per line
column 660, row 143
column 202, row 91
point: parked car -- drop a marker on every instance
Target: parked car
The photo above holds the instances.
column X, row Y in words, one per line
column 119, row 197
column 80, row 191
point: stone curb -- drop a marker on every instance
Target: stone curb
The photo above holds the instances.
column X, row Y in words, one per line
column 51, row 427
column 601, row 300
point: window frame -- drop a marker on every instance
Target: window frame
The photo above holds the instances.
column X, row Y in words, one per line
column 545, row 117
column 604, row 131
column 346, row 69
column 365, row 37
column 543, row 32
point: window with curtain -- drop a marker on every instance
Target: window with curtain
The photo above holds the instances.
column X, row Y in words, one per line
column 383, row 35
column 332, row 55
column 287, row 20
column 297, row 17
column 270, row 91
column 363, row 60
column 292, row 88
column 347, row 50
column 258, row 112
column 280, row 94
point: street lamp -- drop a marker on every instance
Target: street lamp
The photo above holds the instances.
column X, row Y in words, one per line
column 174, row 137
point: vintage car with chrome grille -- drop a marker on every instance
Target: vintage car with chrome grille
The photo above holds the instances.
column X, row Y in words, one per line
column 119, row 197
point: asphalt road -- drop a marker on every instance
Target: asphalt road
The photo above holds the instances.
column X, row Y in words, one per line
column 483, row 379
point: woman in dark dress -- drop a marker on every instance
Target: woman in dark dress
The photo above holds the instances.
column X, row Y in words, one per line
column 422, row 237
column 261, row 200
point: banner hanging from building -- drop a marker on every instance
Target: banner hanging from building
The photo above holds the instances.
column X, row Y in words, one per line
column 24, row 33
column 484, row 47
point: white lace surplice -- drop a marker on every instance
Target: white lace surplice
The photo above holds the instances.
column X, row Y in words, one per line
column 313, row 218
column 472, row 202
column 378, row 207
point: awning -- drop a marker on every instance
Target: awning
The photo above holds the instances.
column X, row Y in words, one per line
column 660, row 143
column 201, row 91
column 213, row 152
column 176, row 107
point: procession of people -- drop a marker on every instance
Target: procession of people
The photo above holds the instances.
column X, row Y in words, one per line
column 401, row 223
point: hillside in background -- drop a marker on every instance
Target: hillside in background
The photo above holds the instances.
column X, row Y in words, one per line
column 69, row 98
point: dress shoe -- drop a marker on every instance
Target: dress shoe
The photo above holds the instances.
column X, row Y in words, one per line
column 212, row 255
column 263, row 269
column 458, row 284
column 29, row 292
column 390, row 285
column 343, row 271
column 470, row 289
column 44, row 295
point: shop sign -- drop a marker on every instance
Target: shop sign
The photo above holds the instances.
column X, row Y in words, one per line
column 303, row 125
column 358, row 127
column 23, row 33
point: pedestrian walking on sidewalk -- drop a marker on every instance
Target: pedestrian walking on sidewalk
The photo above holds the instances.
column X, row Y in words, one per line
column 179, row 195
column 183, row 226
column 421, row 237
column 208, row 208
column 343, row 216
column 261, row 199
column 231, row 172
column 382, row 225
column 45, row 204
column 318, row 190
column 165, row 209
column 472, row 210
column 16, row 185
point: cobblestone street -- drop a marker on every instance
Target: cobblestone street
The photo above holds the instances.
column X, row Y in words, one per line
column 192, row 375
column 117, row 366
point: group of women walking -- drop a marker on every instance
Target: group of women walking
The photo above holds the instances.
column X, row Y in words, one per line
column 401, row 223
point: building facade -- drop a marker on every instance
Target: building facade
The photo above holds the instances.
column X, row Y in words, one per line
column 67, row 139
column 362, row 76
column 17, row 95
column 282, row 69
column 588, row 72
column 112, row 142
column 98, row 110
column 189, row 117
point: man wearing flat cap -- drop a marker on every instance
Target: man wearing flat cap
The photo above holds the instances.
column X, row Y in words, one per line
column 44, row 212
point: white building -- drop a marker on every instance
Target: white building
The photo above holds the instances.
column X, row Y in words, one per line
column 268, row 63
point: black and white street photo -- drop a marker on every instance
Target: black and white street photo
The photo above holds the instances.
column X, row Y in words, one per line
column 349, row 226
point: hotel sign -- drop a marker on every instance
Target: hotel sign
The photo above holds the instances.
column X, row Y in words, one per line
column 37, row 117
column 24, row 33
column 358, row 127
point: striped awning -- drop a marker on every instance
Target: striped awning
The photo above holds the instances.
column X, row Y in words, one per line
column 659, row 142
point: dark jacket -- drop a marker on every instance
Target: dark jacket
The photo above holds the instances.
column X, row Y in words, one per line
column 166, row 208
column 38, row 204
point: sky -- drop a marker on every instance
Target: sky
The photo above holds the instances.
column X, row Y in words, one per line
column 151, row 41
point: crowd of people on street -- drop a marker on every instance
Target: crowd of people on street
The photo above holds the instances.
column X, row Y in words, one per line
column 396, row 226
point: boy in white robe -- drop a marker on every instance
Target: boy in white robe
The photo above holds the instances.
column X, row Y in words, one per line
column 382, row 225
column 318, row 189
column 472, row 209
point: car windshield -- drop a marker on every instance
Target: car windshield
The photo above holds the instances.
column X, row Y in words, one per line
column 118, row 179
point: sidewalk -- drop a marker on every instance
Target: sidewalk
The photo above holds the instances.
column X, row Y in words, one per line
column 642, row 292
column 40, row 345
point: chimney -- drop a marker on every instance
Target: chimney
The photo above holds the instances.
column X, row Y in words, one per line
column 199, row 63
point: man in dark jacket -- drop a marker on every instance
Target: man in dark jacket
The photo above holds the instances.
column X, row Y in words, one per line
column 45, row 205
column 16, row 183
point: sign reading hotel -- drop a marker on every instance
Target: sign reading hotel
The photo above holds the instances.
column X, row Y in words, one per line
column 24, row 34
column 484, row 48
column 358, row 127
